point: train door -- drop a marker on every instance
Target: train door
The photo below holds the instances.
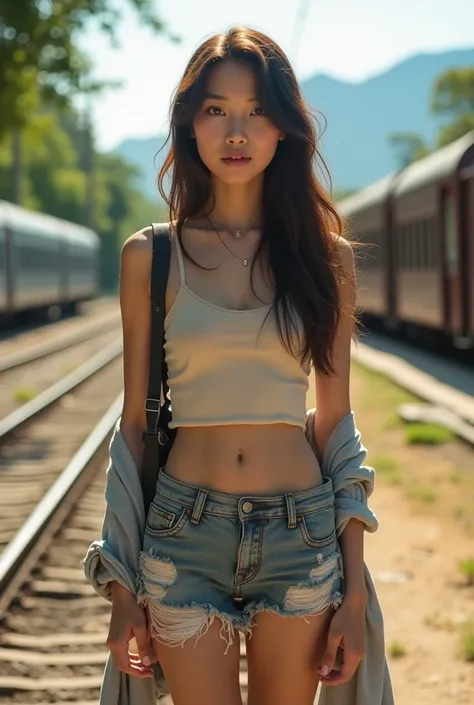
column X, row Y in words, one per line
column 453, row 269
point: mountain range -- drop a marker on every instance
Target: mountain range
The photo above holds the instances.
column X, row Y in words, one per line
column 357, row 118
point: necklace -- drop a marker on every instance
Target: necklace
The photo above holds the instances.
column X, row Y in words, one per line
column 237, row 233
column 244, row 261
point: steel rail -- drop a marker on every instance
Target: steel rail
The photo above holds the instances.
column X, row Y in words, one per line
column 40, row 350
column 31, row 541
column 26, row 412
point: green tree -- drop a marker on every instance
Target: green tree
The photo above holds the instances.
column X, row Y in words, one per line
column 53, row 181
column 453, row 99
column 409, row 146
column 39, row 59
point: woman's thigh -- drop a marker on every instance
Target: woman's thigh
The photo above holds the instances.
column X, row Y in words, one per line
column 200, row 672
column 283, row 656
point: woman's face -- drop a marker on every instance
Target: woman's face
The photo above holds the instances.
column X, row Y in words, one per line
column 235, row 139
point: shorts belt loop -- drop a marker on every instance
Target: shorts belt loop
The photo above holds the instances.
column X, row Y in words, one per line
column 199, row 506
column 291, row 506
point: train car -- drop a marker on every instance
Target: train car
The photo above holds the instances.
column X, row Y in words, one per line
column 44, row 261
column 417, row 231
column 433, row 242
column 368, row 216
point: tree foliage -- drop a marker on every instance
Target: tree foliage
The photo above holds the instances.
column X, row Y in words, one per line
column 409, row 147
column 41, row 137
column 54, row 181
column 453, row 99
column 39, row 59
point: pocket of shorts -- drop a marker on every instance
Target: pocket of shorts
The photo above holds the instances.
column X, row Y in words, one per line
column 166, row 518
column 318, row 528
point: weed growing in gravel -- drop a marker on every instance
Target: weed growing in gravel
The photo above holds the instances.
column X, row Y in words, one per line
column 383, row 389
column 466, row 644
column 396, row 650
column 24, row 394
column 456, row 477
column 388, row 468
column 467, row 569
column 421, row 493
column 427, row 434
column 384, row 463
column 435, row 621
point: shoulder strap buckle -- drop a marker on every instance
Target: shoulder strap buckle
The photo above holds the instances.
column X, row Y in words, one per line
column 152, row 404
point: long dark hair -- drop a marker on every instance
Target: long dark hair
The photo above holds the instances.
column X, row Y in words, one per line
column 300, row 224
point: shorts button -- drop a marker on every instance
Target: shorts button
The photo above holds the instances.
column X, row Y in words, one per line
column 247, row 507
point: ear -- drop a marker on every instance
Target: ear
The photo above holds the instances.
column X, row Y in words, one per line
column 192, row 133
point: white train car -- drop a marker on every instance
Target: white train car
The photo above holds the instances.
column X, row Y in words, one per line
column 45, row 261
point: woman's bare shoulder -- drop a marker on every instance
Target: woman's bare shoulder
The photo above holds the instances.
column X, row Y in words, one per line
column 139, row 244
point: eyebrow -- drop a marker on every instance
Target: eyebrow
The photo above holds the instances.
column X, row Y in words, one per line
column 215, row 96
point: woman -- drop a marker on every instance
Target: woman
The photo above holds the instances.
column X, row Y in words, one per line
column 241, row 534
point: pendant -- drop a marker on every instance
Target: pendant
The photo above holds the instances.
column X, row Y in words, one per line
column 245, row 262
column 237, row 234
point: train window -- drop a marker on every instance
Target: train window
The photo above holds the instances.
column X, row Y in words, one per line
column 426, row 245
column 450, row 234
column 415, row 246
column 402, row 247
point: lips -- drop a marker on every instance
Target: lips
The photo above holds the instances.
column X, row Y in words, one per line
column 236, row 159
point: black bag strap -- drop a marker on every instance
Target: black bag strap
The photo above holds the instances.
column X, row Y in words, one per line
column 158, row 371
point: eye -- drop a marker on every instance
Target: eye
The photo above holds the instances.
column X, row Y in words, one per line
column 259, row 111
column 210, row 110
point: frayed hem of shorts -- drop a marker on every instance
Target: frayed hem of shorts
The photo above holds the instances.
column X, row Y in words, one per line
column 251, row 611
column 174, row 624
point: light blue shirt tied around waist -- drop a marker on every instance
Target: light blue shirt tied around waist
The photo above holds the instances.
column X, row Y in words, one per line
column 115, row 557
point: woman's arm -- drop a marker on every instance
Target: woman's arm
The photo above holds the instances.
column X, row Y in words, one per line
column 332, row 404
column 135, row 307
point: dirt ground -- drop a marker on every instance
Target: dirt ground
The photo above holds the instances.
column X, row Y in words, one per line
column 424, row 500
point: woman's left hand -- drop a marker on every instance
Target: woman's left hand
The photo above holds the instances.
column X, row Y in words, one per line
column 347, row 631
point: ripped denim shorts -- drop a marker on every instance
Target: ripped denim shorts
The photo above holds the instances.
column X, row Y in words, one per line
column 209, row 554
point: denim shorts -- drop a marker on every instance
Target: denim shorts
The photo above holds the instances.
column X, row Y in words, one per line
column 210, row 555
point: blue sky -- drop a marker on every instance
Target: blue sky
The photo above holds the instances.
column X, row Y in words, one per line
column 345, row 38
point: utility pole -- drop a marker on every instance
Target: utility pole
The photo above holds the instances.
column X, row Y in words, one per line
column 300, row 22
column 89, row 164
column 16, row 165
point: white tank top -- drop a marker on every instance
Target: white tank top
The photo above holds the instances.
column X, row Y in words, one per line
column 225, row 368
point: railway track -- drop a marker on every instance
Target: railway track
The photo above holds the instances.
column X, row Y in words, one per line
column 23, row 383
column 29, row 353
column 53, row 626
column 37, row 440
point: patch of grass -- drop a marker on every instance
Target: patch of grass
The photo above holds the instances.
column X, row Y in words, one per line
column 24, row 394
column 383, row 463
column 380, row 387
column 396, row 649
column 388, row 468
column 421, row 493
column 456, row 477
column 435, row 621
column 466, row 567
column 393, row 421
column 466, row 643
column 427, row 434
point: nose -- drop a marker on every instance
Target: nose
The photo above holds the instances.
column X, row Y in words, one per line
column 236, row 136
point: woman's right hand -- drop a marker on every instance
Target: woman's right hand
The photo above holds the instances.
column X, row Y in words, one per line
column 128, row 621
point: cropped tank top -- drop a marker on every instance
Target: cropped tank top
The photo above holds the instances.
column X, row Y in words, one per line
column 225, row 367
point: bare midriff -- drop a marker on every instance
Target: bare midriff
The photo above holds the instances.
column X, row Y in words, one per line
column 245, row 459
